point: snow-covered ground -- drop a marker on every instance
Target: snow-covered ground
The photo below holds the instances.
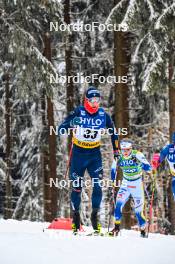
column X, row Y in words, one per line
column 24, row 242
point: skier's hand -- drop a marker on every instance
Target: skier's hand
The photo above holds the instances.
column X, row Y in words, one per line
column 116, row 154
column 76, row 121
column 155, row 164
column 134, row 159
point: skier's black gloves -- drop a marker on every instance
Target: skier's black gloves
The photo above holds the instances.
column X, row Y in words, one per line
column 134, row 159
column 116, row 154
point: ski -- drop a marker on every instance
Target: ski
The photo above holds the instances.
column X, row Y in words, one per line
column 95, row 234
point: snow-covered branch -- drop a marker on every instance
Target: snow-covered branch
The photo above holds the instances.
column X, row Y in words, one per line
column 115, row 10
column 170, row 9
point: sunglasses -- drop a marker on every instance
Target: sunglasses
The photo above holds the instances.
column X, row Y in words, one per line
column 126, row 150
column 94, row 100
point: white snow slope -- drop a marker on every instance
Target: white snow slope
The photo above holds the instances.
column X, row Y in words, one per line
column 24, row 242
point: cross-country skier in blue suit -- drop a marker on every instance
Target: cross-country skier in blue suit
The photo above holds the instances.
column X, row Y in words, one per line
column 168, row 153
column 89, row 121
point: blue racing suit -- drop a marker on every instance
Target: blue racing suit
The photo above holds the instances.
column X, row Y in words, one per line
column 168, row 153
column 86, row 150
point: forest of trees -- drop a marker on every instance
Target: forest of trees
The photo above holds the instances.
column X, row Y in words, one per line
column 30, row 103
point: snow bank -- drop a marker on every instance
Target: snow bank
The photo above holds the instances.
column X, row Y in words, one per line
column 25, row 243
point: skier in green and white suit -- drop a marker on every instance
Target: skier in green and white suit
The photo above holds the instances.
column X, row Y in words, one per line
column 132, row 163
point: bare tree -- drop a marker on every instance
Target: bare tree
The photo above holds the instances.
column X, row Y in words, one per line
column 121, row 65
column 50, row 193
column 68, row 61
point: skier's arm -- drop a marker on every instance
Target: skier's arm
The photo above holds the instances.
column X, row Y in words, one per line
column 163, row 154
column 145, row 164
column 69, row 121
column 113, row 170
column 158, row 158
column 112, row 132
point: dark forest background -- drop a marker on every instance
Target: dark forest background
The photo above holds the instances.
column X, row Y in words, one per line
column 30, row 104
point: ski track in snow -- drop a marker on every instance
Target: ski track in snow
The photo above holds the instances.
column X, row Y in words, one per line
column 24, row 242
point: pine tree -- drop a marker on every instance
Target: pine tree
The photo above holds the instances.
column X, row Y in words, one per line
column 151, row 23
column 23, row 47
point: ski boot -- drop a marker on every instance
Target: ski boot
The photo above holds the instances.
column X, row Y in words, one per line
column 76, row 222
column 115, row 230
column 143, row 232
column 95, row 224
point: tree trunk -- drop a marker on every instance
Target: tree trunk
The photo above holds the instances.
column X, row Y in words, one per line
column 45, row 162
column 69, row 72
column 69, row 66
column 171, row 130
column 8, row 197
column 121, row 64
column 50, row 193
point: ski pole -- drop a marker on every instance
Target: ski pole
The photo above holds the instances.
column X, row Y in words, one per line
column 113, row 196
column 112, row 205
column 151, row 204
column 69, row 160
column 65, row 176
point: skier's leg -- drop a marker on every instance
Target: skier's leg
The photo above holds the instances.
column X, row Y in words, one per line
column 122, row 197
column 137, row 192
column 77, row 169
column 76, row 190
column 173, row 186
column 96, row 172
